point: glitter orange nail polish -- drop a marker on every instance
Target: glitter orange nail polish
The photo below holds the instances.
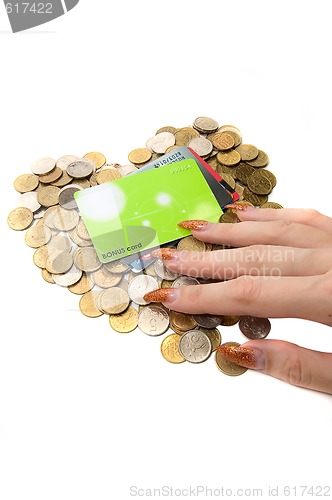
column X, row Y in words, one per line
column 161, row 295
column 165, row 253
column 244, row 356
column 241, row 207
column 194, row 224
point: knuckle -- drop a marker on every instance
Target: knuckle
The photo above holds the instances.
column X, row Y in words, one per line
column 309, row 214
column 282, row 226
column 247, row 289
column 293, row 371
column 254, row 256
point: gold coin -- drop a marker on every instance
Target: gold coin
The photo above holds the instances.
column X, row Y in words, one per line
column 139, row 156
column 261, row 161
column 65, row 220
column 63, row 180
column 82, row 183
column 166, row 284
column 182, row 321
column 87, row 304
column 227, row 367
column 48, row 196
column 233, row 131
column 190, row 243
column 98, row 159
column 47, row 276
column 184, row 135
column 230, row 158
column 105, row 279
column 124, row 322
column 26, row 182
column 229, row 320
column 41, row 255
column 107, row 175
column 222, row 141
column 93, row 179
column 84, row 285
column 214, row 336
column 243, row 171
column 19, row 218
column 259, row 183
column 271, row 204
column 229, row 179
column 172, row 130
column 240, row 190
column 269, row 175
column 37, row 235
column 229, row 217
column 170, row 349
column 82, row 231
column 256, row 199
column 114, row 300
column 49, row 215
column 86, row 259
column 247, row 151
column 59, row 262
column 52, row 176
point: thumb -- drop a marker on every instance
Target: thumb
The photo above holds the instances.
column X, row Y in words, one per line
column 285, row 361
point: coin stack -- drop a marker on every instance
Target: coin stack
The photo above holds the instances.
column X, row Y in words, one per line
column 64, row 252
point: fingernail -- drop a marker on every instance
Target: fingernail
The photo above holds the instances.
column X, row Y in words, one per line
column 165, row 253
column 241, row 207
column 161, row 295
column 194, row 224
column 244, row 356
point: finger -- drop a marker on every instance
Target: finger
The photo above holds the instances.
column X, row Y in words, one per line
column 305, row 216
column 255, row 260
column 285, row 361
column 262, row 296
column 246, row 233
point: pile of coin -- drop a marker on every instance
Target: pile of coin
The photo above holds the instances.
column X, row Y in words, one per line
column 64, row 252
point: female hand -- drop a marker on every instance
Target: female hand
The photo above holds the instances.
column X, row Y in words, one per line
column 281, row 267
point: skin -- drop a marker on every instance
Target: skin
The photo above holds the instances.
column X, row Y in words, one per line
column 281, row 267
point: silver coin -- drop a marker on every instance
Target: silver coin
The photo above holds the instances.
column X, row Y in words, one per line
column 81, row 168
column 201, row 146
column 195, row 346
column 66, row 196
column 207, row 320
column 69, row 278
column 139, row 286
column 160, row 142
column 153, row 320
column 205, row 124
column 149, row 143
column 66, row 160
column 163, row 272
column 43, row 166
column 29, row 200
column 185, row 281
column 126, row 170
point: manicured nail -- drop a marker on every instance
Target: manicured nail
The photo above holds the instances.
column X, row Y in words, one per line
column 194, row 224
column 241, row 207
column 165, row 253
column 161, row 295
column 244, row 356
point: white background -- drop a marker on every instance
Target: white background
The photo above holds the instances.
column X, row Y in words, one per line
column 85, row 412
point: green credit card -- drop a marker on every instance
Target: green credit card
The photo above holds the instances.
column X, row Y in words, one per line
column 142, row 211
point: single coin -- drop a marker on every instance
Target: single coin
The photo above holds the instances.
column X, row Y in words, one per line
column 47, row 276
column 43, row 166
column 272, row 178
column 37, row 235
column 80, row 169
column 114, row 300
column 190, row 243
column 255, row 199
column 52, row 176
column 77, row 240
column 166, row 284
column 271, row 204
column 205, row 124
column 240, row 190
column 139, row 286
column 82, row 183
column 207, row 320
column 117, row 267
column 87, row 304
column 183, row 281
column 184, row 135
column 82, row 231
column 127, row 170
column 48, row 196
column 160, row 142
column 93, row 179
column 223, row 169
column 106, row 279
column 20, row 218
column 153, row 320
column 60, row 242
column 65, row 220
column 107, row 175
column 229, row 320
column 29, row 200
column 261, row 161
column 66, row 196
column 214, row 336
column 170, row 129
column 255, row 328
column 230, row 158
column 201, row 146
column 63, row 180
column 83, row 285
column 49, row 215
column 182, row 321
column 227, row 367
column 163, row 272
column 68, row 278
column 139, row 156
column 195, row 346
column 243, row 171
column 222, row 141
column 259, row 183
column 233, row 131
column 124, row 322
column 247, row 151
column 97, row 158
column 26, row 182
column 229, row 217
column 170, row 349
column 66, row 160
column 87, row 259
column 59, row 262
column 229, row 179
